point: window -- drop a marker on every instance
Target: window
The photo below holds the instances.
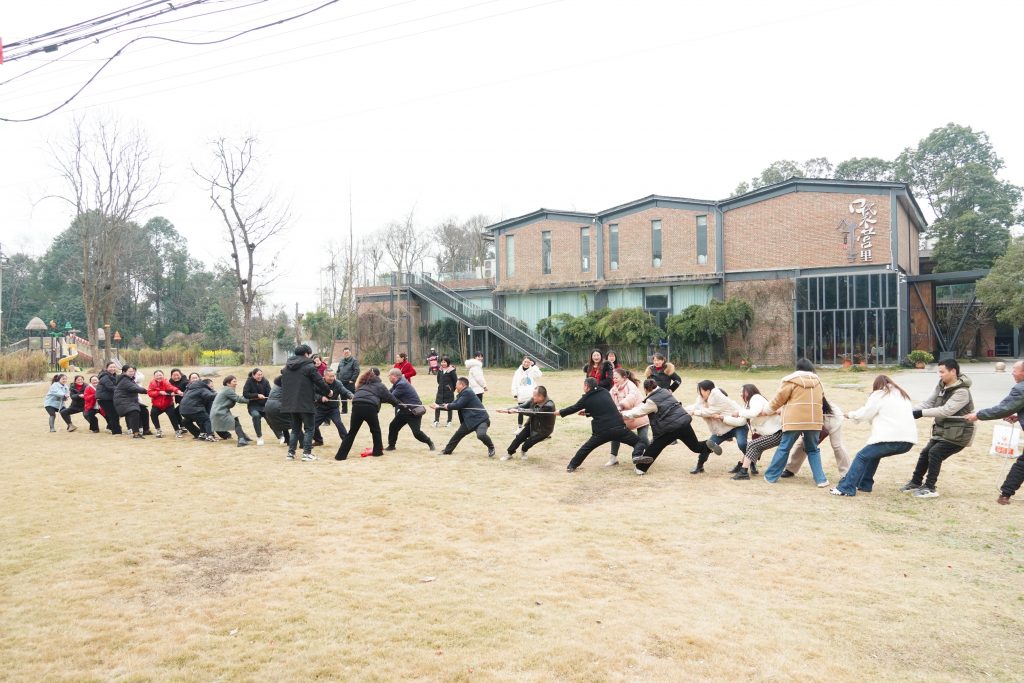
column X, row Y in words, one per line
column 613, row 247
column 656, row 244
column 510, row 256
column 702, row 240
column 545, row 251
column 585, row 249
column 656, row 298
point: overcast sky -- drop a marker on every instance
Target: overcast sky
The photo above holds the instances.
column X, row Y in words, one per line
column 458, row 107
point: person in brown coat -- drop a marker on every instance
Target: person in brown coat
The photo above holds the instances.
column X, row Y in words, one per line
column 799, row 398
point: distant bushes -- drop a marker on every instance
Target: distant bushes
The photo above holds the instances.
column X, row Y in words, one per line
column 220, row 357
column 24, row 366
column 167, row 357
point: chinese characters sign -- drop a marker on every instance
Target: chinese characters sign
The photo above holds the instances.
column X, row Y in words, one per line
column 859, row 234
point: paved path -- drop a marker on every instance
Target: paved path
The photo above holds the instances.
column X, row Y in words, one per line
column 989, row 387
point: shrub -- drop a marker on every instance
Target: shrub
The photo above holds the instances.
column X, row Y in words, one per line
column 220, row 357
column 372, row 357
column 168, row 357
column 919, row 356
column 24, row 366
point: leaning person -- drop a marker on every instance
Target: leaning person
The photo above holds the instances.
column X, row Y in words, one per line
column 799, row 398
column 220, row 413
column 606, row 423
column 831, row 427
column 1010, row 409
column 408, row 411
column 366, row 402
column 669, row 422
column 539, row 425
column 472, row 416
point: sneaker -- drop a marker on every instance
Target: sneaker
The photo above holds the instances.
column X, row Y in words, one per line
column 178, row 433
column 290, row 456
column 308, row 457
column 1003, row 500
column 837, row 492
column 138, row 435
column 736, row 470
column 490, row 452
column 430, row 446
column 243, row 442
column 925, row 492
column 715, row 448
column 436, row 424
column 199, row 437
column 281, row 440
column 643, row 460
column 448, row 425
column 445, row 453
column 72, row 428
column 159, row 434
column 317, row 442
column 389, row 448
column 259, row 440
column 612, row 461
column 638, row 472
column 742, row 475
column 786, row 474
column 822, row 484
column 909, row 487
column 524, row 456
column 570, row 469
column 52, row 430
column 507, row 456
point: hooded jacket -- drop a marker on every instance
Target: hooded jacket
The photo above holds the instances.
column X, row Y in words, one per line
column 126, row 395
column 717, row 403
column 477, row 383
column 666, row 377
column 945, row 402
column 373, row 392
column 55, row 396
column 523, row 382
column 298, row 378
column 198, row 398
column 799, row 397
column 105, row 389
column 446, row 379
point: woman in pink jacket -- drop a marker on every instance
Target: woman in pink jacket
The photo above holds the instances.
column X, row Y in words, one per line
column 627, row 395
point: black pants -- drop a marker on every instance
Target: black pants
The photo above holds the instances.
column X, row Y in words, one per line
column 414, row 421
column 90, row 417
column 527, row 439
column 437, row 415
column 196, row 423
column 302, row 423
column 684, row 434
column 351, row 386
column 361, row 412
column 464, row 431
column 258, row 413
column 110, row 413
column 332, row 415
column 276, row 422
column 238, row 432
column 1014, row 478
column 133, row 418
column 620, row 434
column 66, row 413
column 172, row 415
column 930, row 461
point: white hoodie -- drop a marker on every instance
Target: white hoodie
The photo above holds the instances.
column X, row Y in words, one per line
column 476, row 376
column 891, row 417
column 524, row 382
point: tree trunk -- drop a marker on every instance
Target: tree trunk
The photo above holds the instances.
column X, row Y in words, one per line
column 246, row 332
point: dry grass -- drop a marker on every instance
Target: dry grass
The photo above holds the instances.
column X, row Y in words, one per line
column 173, row 560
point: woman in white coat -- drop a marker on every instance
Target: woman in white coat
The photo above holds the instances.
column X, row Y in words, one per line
column 893, row 431
column 717, row 409
column 765, row 430
column 524, row 381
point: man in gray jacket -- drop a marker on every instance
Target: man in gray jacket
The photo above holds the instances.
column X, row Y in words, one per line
column 1011, row 409
column 348, row 373
column 951, row 433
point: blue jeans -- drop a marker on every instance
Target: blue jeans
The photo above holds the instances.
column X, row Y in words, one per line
column 738, row 433
column 862, row 470
column 781, row 457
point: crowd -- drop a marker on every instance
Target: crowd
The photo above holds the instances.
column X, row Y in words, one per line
column 645, row 415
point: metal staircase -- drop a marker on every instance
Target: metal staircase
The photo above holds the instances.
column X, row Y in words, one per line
column 497, row 323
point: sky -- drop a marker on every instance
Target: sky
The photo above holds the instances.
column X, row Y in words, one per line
column 450, row 108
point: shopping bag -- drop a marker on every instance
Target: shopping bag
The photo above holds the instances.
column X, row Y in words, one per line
column 1006, row 440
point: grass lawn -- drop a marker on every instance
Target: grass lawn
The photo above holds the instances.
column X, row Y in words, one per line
column 168, row 559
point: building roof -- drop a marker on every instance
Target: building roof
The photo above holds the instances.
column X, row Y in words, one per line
column 35, row 325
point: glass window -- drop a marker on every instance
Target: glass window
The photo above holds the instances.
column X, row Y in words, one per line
column 876, row 291
column 860, row 286
column 656, row 297
column 613, row 247
column 702, row 240
column 891, row 290
column 812, row 294
column 891, row 336
column 545, row 251
column 510, row 256
column 858, row 334
column 656, row 244
column 828, row 338
column 801, row 294
column 830, row 293
column 584, row 249
column 842, row 337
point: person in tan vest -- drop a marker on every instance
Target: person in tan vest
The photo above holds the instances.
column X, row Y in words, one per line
column 799, row 399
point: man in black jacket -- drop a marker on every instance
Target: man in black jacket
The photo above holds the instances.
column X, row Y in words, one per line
column 472, row 415
column 348, row 373
column 409, row 411
column 298, row 382
column 607, row 424
column 326, row 408
column 539, row 427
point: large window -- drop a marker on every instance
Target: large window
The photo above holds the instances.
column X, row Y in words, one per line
column 613, row 247
column 702, row 240
column 510, row 255
column 585, row 249
column 656, row 244
column 545, row 251
column 847, row 317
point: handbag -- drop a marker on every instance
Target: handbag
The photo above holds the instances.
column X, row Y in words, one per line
column 1006, row 440
column 418, row 411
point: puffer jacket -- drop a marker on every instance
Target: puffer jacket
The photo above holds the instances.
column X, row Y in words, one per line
column 763, row 425
column 126, row 395
column 628, row 396
column 446, row 380
column 948, row 401
column 105, row 389
column 891, row 417
column 373, row 392
column 476, row 379
column 77, row 396
column 666, row 376
column 198, row 398
column 799, row 397
column 717, row 403
column 159, row 400
column 55, row 396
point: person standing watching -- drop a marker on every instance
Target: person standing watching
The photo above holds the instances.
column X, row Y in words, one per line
column 799, row 398
column 663, row 372
column 447, row 377
column 606, row 423
column 526, row 377
column 1010, row 409
column 298, row 380
column 409, row 411
column 950, row 399
column 348, row 373
column 475, row 368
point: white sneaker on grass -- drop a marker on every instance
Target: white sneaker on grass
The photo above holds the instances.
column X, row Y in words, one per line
column 259, row 441
column 925, row 492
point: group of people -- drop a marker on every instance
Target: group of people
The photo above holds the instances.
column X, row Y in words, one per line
column 645, row 415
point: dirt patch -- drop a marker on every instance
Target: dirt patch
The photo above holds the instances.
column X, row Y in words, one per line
column 212, row 570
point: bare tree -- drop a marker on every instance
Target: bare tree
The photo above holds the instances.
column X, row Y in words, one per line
column 481, row 241
column 454, row 246
column 251, row 218
column 406, row 244
column 110, row 177
column 374, row 248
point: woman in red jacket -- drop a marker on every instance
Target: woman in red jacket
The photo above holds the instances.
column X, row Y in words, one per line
column 403, row 364
column 92, row 409
column 162, row 392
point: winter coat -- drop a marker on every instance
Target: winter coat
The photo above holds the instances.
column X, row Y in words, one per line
column 273, row 410
column 945, row 402
column 180, row 385
column 221, row 418
column 476, row 379
column 666, row 377
column 405, row 393
column 408, row 371
column 373, row 392
column 763, row 425
column 126, row 395
column 540, row 425
column 348, row 370
column 198, row 399
column 159, row 400
column 628, row 396
column 598, row 404
column 56, row 395
column 321, row 407
column 524, row 381
column 471, row 412
column 105, row 389
column 446, row 380
column 602, row 373
column 90, row 397
column 321, row 369
column 800, row 399
column 298, row 380
column 253, row 388
column 1013, row 404
column 717, row 403
column 891, row 417
column 77, row 396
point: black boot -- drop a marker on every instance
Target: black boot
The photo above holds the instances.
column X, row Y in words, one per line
column 701, row 459
column 738, row 468
column 741, row 475
column 753, row 468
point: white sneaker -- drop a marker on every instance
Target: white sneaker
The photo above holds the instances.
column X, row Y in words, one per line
column 524, row 456
column 612, row 461
column 507, row 456
column 259, row 441
column 639, row 472
column 308, row 457
column 448, row 425
column 281, row 440
column 823, row 484
column 519, row 430
column 436, row 424
column 159, row 434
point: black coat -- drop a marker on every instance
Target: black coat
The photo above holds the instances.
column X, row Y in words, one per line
column 373, row 392
column 273, row 409
column 77, row 396
column 126, row 395
column 105, row 389
column 198, row 398
column 182, row 385
column 471, row 410
column 599, row 405
column 446, row 385
column 252, row 388
column 298, row 380
column 541, row 425
column 339, row 390
column 348, row 370
column 604, row 379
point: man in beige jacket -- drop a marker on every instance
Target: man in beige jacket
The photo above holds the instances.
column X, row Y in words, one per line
column 799, row 399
